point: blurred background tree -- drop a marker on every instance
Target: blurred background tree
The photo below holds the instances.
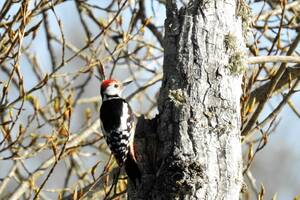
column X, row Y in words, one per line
column 52, row 51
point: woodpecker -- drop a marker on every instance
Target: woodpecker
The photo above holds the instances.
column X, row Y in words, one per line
column 118, row 126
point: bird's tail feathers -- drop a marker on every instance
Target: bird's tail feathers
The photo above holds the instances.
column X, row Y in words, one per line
column 132, row 170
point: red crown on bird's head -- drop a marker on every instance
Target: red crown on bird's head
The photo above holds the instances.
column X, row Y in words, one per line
column 107, row 82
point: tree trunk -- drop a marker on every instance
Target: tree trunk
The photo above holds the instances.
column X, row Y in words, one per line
column 192, row 149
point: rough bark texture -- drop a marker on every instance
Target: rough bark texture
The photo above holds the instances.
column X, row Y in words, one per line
column 192, row 150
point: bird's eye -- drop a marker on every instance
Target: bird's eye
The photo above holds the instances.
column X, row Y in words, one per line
column 116, row 85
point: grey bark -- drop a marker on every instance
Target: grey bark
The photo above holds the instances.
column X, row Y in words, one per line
column 192, row 149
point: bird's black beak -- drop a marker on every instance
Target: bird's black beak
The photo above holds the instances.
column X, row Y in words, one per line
column 127, row 82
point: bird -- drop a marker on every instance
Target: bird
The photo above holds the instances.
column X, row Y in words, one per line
column 118, row 125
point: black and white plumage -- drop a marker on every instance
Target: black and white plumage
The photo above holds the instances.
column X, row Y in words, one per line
column 117, row 122
column 118, row 127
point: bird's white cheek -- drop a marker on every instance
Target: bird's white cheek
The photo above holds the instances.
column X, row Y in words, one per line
column 112, row 91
